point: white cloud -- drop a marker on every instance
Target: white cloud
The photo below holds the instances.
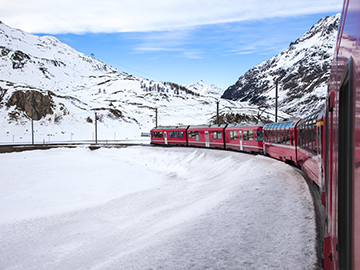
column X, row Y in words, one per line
column 80, row 16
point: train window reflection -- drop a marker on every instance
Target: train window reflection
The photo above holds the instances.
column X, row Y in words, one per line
column 158, row 134
column 217, row 134
column 248, row 135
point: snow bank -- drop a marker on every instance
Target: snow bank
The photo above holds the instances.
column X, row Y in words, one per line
column 153, row 208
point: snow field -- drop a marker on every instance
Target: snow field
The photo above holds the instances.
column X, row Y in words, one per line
column 153, row 208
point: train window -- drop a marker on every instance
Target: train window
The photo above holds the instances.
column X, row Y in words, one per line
column 193, row 134
column 158, row 134
column 274, row 133
column 313, row 137
column 287, row 136
column 287, row 133
column 319, row 131
column 248, row 135
column 233, row 135
column 283, row 133
column 176, row 134
column 258, row 136
column 217, row 134
column 307, row 136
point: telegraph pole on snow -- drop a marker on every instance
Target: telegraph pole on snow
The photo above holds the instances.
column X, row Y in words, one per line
column 217, row 112
column 32, row 130
column 156, row 117
column 95, row 128
column 276, row 100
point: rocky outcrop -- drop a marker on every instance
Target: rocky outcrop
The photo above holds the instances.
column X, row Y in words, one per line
column 19, row 59
column 33, row 103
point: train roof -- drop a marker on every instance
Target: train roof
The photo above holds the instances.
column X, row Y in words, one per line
column 171, row 127
column 208, row 126
column 244, row 125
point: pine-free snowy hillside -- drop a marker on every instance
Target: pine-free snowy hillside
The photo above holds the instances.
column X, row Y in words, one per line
column 61, row 89
column 205, row 89
column 302, row 70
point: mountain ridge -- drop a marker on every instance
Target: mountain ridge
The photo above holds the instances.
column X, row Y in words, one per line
column 64, row 93
column 204, row 89
column 302, row 71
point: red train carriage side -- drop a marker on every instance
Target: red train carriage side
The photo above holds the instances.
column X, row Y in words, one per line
column 244, row 138
column 342, row 174
column 171, row 135
column 280, row 141
column 310, row 154
column 207, row 136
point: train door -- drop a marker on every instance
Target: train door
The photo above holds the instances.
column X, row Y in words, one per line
column 241, row 140
column 264, row 139
column 345, row 169
column 165, row 137
column 207, row 143
column 319, row 150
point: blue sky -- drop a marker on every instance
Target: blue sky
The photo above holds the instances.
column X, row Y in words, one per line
column 178, row 41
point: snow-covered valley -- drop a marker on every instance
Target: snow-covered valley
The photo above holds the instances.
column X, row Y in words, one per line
column 153, row 208
column 62, row 89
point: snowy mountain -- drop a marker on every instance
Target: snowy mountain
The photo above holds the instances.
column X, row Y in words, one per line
column 205, row 89
column 65, row 91
column 302, row 72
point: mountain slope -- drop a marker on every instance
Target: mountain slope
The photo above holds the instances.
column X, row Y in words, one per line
column 205, row 89
column 65, row 91
column 302, row 71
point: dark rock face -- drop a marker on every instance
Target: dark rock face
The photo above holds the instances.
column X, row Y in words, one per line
column 4, row 51
column 19, row 59
column 33, row 103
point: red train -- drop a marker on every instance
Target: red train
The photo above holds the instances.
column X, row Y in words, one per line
column 242, row 138
column 342, row 146
column 326, row 145
column 280, row 141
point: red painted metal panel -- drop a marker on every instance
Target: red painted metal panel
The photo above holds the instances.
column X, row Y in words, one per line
column 280, row 140
column 237, row 138
column 169, row 135
column 343, row 178
column 206, row 136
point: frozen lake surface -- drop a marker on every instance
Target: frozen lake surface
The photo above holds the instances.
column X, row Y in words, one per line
column 145, row 207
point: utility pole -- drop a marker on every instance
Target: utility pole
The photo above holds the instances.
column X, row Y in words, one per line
column 217, row 112
column 156, row 117
column 276, row 100
column 95, row 128
column 32, row 130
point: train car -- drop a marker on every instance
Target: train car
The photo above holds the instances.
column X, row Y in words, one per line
column 280, row 141
column 244, row 138
column 342, row 159
column 310, row 154
column 207, row 136
column 170, row 135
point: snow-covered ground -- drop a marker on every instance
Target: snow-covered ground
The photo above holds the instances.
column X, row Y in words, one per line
column 144, row 207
